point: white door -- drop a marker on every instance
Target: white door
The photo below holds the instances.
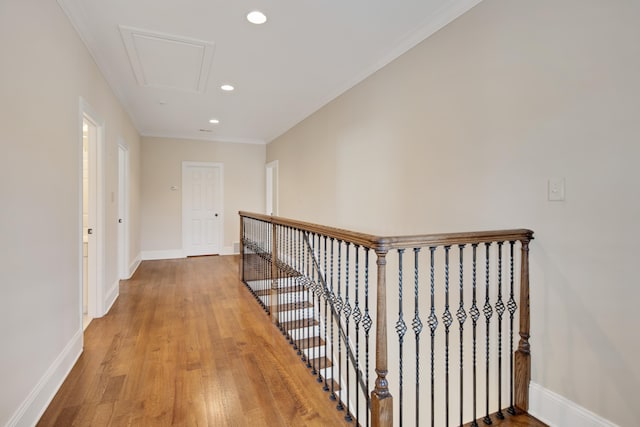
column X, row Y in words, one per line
column 123, row 212
column 201, row 208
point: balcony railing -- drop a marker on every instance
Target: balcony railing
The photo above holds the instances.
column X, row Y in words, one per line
column 447, row 315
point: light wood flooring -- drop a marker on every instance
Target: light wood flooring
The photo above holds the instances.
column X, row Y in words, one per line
column 186, row 344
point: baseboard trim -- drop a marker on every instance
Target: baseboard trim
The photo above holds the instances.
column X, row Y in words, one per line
column 228, row 250
column 556, row 410
column 43, row 393
column 112, row 295
column 133, row 267
column 168, row 254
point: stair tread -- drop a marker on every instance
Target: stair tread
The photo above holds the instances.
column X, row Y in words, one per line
column 321, row 362
column 305, row 343
column 297, row 324
column 294, row 306
column 283, row 290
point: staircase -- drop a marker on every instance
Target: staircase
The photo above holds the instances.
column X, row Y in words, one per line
column 303, row 326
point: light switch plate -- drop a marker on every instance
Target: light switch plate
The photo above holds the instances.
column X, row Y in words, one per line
column 556, row 190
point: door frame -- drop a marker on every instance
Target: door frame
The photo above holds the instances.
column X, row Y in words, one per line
column 124, row 272
column 95, row 304
column 271, row 180
column 186, row 204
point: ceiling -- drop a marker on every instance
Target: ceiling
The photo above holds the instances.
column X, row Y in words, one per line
column 166, row 59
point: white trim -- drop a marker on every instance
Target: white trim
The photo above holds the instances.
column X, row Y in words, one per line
column 112, row 296
column 556, row 410
column 271, row 178
column 167, row 254
column 133, row 267
column 123, row 210
column 37, row 401
column 96, row 293
column 186, row 204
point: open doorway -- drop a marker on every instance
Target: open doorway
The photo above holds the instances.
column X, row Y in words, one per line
column 272, row 188
column 92, row 141
column 89, row 143
column 123, row 212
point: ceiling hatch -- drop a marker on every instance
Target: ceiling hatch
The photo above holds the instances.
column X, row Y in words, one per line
column 168, row 61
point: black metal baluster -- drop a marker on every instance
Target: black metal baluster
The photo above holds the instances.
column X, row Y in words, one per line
column 401, row 328
column 462, row 316
column 488, row 312
column 447, row 320
column 357, row 316
column 367, row 322
column 320, row 291
column 347, row 313
column 500, row 309
column 340, row 406
column 512, row 306
column 433, row 324
column 299, row 290
column 327, row 295
column 333, row 300
column 475, row 315
column 416, row 324
column 308, row 281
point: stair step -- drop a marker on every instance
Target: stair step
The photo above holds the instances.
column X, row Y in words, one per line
column 283, row 290
column 321, row 363
column 297, row 324
column 310, row 342
column 294, row 306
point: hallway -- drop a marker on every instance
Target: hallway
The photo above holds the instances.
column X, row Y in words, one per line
column 186, row 344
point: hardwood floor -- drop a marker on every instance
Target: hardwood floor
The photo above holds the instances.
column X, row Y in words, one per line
column 186, row 344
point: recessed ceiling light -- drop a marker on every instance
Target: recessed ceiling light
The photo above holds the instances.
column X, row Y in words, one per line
column 214, row 121
column 256, row 17
column 227, row 87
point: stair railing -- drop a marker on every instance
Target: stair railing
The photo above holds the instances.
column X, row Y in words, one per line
column 332, row 266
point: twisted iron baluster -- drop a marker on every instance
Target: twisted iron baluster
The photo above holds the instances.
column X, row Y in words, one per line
column 326, row 298
column 309, row 276
column 447, row 319
column 433, row 324
column 488, row 312
column 320, row 289
column 357, row 316
column 366, row 323
column 401, row 327
column 500, row 308
column 475, row 315
column 462, row 316
column 416, row 324
column 333, row 300
column 512, row 306
column 347, row 313
column 339, row 406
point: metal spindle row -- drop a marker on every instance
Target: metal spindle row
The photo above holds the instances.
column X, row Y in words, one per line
column 485, row 384
column 322, row 291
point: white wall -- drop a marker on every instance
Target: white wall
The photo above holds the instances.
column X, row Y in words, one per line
column 244, row 189
column 463, row 132
column 45, row 70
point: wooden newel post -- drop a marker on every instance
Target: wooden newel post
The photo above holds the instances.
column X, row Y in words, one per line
column 523, row 354
column 274, row 275
column 381, row 400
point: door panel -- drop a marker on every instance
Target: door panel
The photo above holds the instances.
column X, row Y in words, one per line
column 202, row 206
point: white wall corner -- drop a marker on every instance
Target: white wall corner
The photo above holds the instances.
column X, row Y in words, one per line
column 133, row 267
column 168, row 254
column 555, row 410
column 43, row 393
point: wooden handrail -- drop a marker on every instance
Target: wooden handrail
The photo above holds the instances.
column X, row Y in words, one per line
column 385, row 244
